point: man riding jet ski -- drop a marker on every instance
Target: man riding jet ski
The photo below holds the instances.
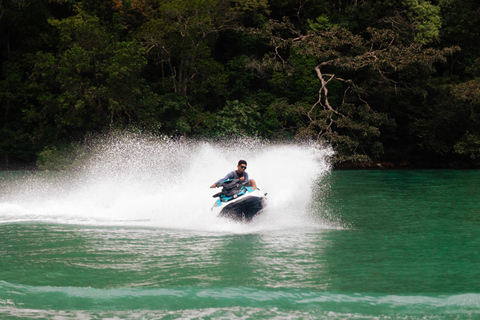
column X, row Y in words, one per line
column 240, row 199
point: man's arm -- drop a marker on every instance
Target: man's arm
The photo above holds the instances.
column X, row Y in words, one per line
column 230, row 175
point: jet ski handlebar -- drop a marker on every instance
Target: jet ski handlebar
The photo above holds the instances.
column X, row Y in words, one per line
column 229, row 185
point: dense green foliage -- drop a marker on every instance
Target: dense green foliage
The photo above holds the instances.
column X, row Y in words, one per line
column 379, row 80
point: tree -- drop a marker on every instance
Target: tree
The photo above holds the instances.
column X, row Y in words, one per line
column 24, row 30
column 237, row 118
column 179, row 39
column 351, row 65
column 93, row 81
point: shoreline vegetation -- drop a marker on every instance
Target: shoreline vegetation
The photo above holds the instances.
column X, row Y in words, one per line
column 386, row 84
column 335, row 167
column 73, row 156
column 405, row 165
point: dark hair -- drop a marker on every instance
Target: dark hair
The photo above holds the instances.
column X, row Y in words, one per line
column 242, row 162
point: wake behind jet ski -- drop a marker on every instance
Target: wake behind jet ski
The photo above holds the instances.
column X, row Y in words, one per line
column 238, row 201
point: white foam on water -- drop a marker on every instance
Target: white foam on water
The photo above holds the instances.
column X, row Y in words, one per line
column 162, row 182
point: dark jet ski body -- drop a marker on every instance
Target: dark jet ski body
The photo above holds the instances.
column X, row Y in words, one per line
column 238, row 201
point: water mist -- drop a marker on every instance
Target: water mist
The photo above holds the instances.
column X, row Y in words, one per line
column 140, row 180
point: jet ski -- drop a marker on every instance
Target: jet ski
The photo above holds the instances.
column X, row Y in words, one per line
column 238, row 201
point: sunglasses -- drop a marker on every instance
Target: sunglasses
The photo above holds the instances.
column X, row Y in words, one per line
column 244, row 167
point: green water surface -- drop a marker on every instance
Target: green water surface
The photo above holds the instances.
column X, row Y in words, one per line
column 392, row 245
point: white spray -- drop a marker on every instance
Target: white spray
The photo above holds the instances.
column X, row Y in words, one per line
column 162, row 182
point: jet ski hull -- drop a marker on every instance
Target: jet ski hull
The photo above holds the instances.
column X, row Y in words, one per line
column 244, row 209
column 240, row 204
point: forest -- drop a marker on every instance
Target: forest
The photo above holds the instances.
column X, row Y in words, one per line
column 392, row 82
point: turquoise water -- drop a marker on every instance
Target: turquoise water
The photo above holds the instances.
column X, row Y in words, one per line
column 370, row 245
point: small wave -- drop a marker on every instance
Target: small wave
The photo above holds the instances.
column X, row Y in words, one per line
column 233, row 302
